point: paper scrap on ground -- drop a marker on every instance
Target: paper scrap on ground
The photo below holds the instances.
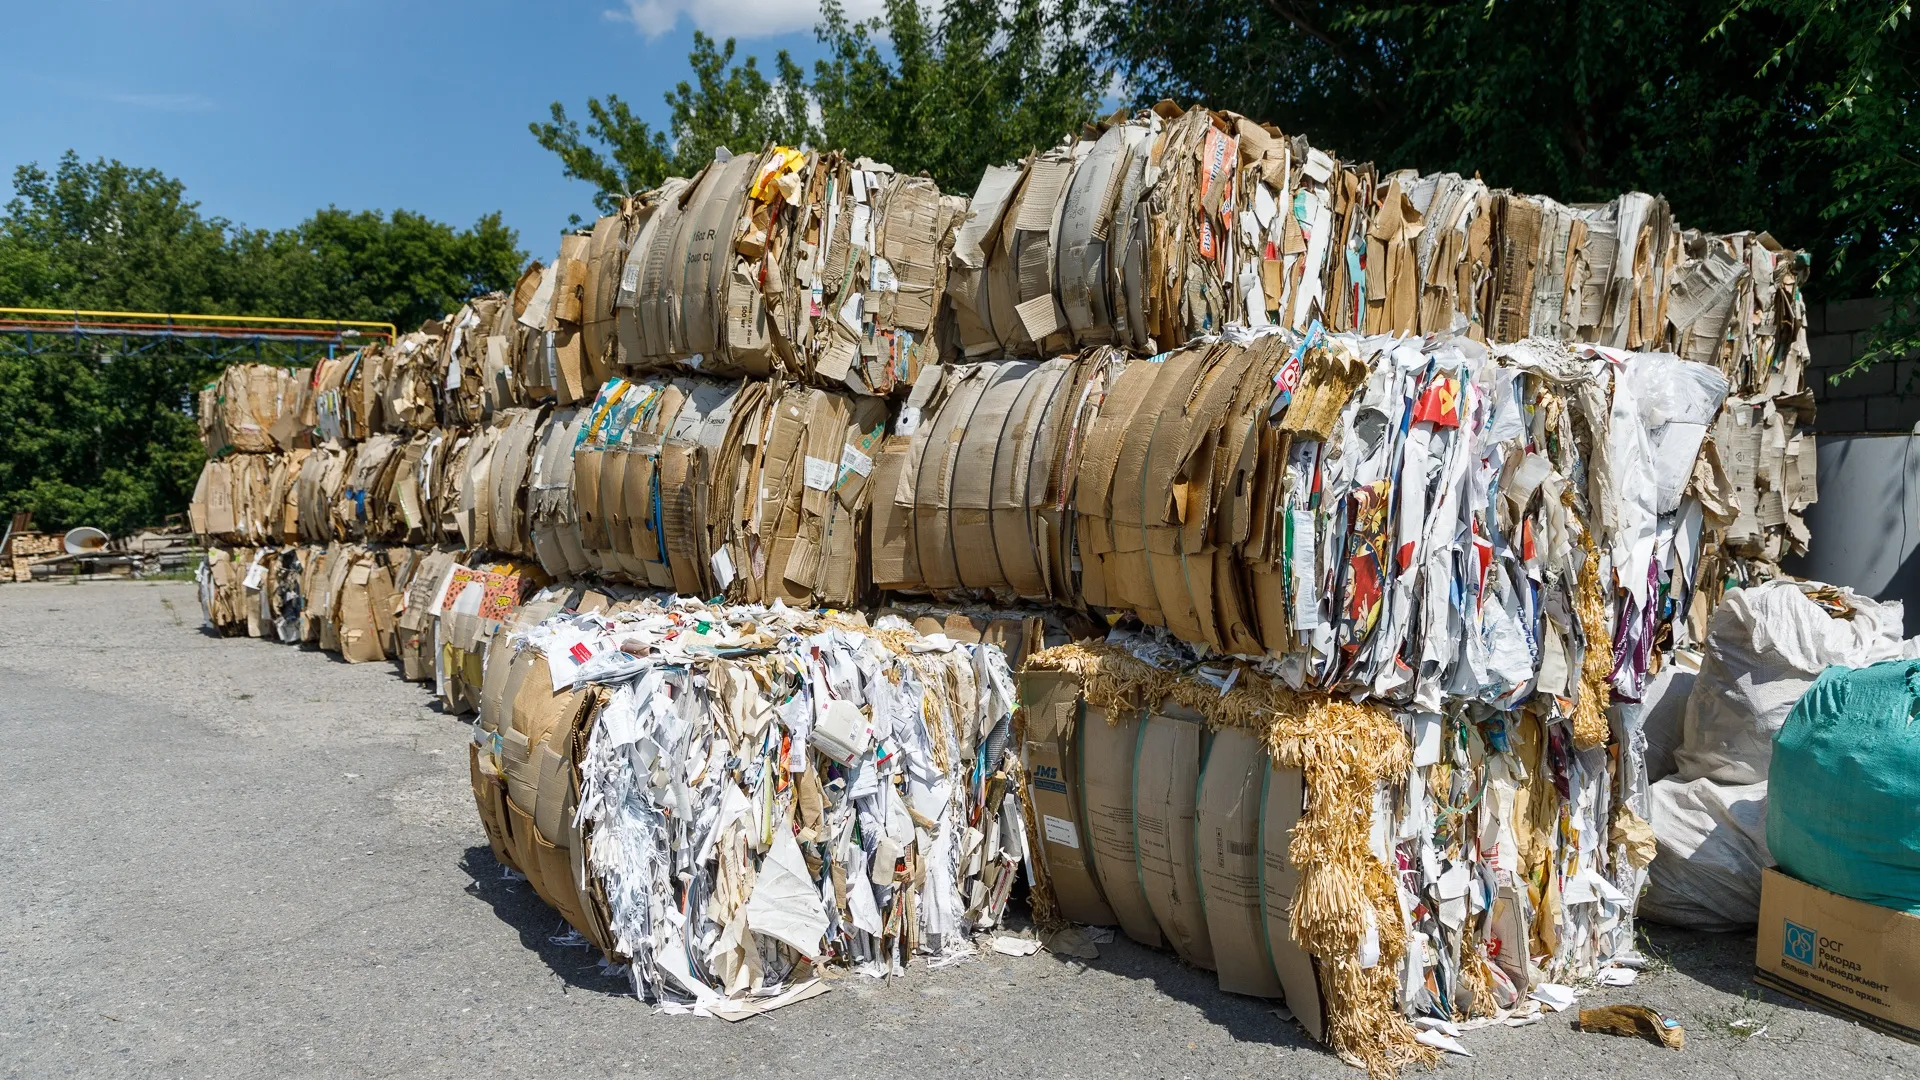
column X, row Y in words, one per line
column 1442, row 1042
column 1013, row 946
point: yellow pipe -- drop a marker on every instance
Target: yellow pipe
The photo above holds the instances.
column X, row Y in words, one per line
column 392, row 335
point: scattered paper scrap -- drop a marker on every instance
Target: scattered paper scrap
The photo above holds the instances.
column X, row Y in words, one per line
column 739, row 1009
column 1554, row 996
column 1441, row 1041
column 1634, row 1021
column 1013, row 946
column 1074, row 942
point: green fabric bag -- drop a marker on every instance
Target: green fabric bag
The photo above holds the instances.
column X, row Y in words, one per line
column 1843, row 805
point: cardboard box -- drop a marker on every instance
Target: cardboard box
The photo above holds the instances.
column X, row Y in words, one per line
column 1852, row 958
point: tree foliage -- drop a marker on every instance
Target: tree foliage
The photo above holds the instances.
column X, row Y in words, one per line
column 945, row 92
column 1795, row 116
column 98, row 437
column 726, row 104
column 978, row 83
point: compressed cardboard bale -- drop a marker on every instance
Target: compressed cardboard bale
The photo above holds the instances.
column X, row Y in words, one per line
column 211, row 512
column 981, row 442
column 280, row 595
column 894, row 561
column 1177, row 488
column 253, row 409
column 656, row 249
column 1138, row 506
column 252, row 596
column 933, row 483
column 1086, row 219
column 1282, row 799
column 1094, row 494
column 1166, row 777
column 218, row 581
column 733, row 498
column 283, row 497
column 555, row 527
column 844, row 569
column 506, row 496
column 341, row 559
column 604, row 259
column 972, row 287
column 1228, row 818
column 1023, row 468
column 915, row 239
column 696, row 488
column 418, row 624
column 1108, row 761
column 1053, row 706
column 364, row 588
column 479, row 360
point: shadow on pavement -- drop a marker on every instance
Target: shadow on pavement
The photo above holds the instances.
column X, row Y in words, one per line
column 541, row 928
column 1246, row 1019
column 1723, row 961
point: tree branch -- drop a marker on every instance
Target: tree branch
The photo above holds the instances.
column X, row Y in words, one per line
column 1302, row 24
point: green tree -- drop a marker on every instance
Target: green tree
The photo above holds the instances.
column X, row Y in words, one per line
column 106, row 235
column 978, row 83
column 945, row 92
column 1866, row 119
column 726, row 104
column 98, row 436
column 1794, row 116
column 404, row 269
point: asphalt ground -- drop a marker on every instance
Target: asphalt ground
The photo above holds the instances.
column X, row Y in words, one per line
column 224, row 857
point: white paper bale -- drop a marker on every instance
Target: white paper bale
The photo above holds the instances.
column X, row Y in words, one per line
column 1765, row 646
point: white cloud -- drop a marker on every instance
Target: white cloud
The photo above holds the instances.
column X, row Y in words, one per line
column 734, row 18
column 162, row 102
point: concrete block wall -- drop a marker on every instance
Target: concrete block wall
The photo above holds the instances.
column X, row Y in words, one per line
column 1885, row 397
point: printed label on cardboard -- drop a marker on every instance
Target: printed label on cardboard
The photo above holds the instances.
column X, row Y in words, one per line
column 853, row 460
column 821, row 473
column 1060, row 831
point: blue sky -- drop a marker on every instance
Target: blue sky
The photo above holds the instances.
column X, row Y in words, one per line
column 268, row 111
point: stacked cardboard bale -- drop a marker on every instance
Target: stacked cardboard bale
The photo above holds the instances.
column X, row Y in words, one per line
column 1172, row 224
column 1467, row 553
column 1358, row 463
column 1151, row 231
column 251, row 426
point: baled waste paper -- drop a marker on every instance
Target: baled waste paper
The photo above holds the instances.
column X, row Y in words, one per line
column 1423, row 525
column 254, row 409
column 733, row 798
column 1263, row 554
